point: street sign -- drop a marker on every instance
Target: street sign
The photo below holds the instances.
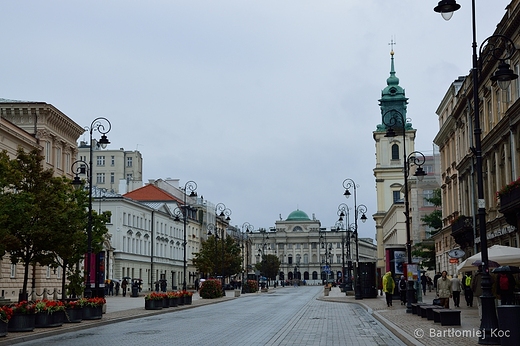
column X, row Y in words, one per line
column 454, row 260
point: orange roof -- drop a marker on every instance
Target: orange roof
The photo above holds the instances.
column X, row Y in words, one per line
column 151, row 193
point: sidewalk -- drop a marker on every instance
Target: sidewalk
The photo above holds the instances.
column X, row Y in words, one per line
column 406, row 325
column 117, row 309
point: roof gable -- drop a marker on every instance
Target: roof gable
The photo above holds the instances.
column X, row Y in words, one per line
column 151, row 193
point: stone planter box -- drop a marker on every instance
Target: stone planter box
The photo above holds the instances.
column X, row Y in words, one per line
column 237, row 293
column 188, row 300
column 92, row 312
column 46, row 320
column 3, row 328
column 166, row 302
column 181, row 300
column 73, row 315
column 151, row 304
column 21, row 323
column 174, row 302
column 326, row 292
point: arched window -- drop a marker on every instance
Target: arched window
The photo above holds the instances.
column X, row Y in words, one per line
column 315, row 275
column 395, row 152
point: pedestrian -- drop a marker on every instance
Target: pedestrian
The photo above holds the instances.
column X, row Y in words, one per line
column 163, row 285
column 424, row 282
column 197, row 284
column 156, row 286
column 111, row 288
column 402, row 289
column 468, row 293
column 456, row 287
column 444, row 289
column 388, row 287
column 476, row 287
column 123, row 287
column 117, row 288
column 435, row 278
column 505, row 288
column 429, row 282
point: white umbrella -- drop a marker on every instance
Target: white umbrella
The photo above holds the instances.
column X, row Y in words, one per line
column 504, row 255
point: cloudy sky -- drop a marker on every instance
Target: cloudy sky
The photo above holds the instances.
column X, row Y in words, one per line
column 267, row 105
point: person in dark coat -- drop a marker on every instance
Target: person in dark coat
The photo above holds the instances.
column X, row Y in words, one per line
column 402, row 289
column 124, row 284
column 505, row 286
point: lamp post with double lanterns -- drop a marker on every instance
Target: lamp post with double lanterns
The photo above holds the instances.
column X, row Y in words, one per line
column 499, row 48
column 224, row 214
column 394, row 119
column 328, row 252
column 261, row 251
column 190, row 187
column 246, row 229
column 343, row 211
column 358, row 209
column 103, row 126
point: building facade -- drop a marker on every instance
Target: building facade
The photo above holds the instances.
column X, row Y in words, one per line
column 500, row 140
column 39, row 125
column 308, row 251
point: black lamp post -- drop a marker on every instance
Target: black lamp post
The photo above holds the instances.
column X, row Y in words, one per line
column 246, row 229
column 261, row 252
column 190, row 186
column 358, row 209
column 212, row 229
column 501, row 48
column 343, row 210
column 224, row 214
column 394, row 118
column 325, row 245
column 103, row 126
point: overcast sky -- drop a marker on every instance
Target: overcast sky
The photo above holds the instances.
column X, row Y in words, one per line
column 267, row 105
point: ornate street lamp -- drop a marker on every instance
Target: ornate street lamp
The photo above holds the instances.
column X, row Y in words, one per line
column 103, row 126
column 393, row 118
column 224, row 214
column 501, row 48
column 343, row 210
column 358, row 209
column 246, row 229
column 190, row 187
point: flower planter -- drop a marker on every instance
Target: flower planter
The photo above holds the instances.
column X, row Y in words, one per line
column 174, row 302
column 188, row 300
column 152, row 304
column 46, row 320
column 21, row 323
column 3, row 328
column 92, row 312
column 166, row 302
column 73, row 315
column 181, row 300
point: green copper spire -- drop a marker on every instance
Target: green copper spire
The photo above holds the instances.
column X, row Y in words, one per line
column 393, row 96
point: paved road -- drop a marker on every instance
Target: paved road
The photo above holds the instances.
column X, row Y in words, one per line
column 287, row 317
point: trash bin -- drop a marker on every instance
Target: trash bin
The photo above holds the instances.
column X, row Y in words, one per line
column 135, row 291
column 508, row 317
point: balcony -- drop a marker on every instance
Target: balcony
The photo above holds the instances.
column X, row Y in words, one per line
column 462, row 231
column 510, row 205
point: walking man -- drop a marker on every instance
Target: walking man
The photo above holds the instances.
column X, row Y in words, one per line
column 456, row 287
column 388, row 287
column 444, row 289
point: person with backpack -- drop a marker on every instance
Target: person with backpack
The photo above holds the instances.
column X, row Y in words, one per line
column 468, row 293
column 505, row 288
column 456, row 287
column 388, row 287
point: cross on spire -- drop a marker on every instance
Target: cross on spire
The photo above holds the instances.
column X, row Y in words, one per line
column 392, row 43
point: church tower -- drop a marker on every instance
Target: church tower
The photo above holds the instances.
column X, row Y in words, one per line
column 388, row 172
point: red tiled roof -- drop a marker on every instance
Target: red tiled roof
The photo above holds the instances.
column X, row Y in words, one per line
column 151, row 193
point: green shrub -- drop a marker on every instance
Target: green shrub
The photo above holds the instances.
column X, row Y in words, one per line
column 211, row 289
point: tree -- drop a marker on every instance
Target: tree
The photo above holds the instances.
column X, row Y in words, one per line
column 426, row 249
column 269, row 267
column 42, row 217
column 215, row 260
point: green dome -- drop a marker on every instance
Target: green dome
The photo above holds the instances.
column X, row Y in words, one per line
column 298, row 215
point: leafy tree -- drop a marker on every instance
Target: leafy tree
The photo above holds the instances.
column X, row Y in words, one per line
column 426, row 249
column 217, row 257
column 269, row 267
column 42, row 217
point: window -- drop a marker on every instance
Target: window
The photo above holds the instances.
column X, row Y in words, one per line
column 428, row 194
column 289, row 246
column 48, row 152
column 13, row 271
column 129, row 161
column 101, row 160
column 129, row 177
column 428, row 169
column 395, row 152
column 289, row 259
column 48, row 272
column 397, row 196
column 112, row 160
column 112, row 178
column 58, row 157
column 100, row 178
